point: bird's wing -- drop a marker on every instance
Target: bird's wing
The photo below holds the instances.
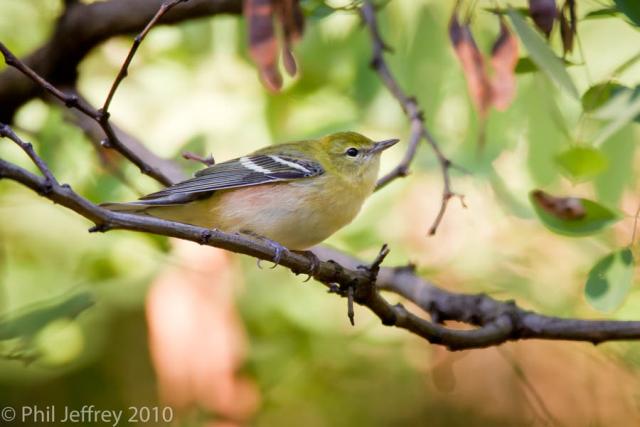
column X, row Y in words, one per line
column 245, row 171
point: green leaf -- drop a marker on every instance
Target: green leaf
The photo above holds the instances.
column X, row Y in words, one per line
column 631, row 8
column 502, row 11
column 582, row 163
column 29, row 323
column 542, row 55
column 596, row 218
column 59, row 342
column 607, row 12
column 596, row 96
column 610, row 280
column 622, row 109
column 611, row 184
column 525, row 65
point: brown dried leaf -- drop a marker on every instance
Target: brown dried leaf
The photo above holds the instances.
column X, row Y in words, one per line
column 568, row 208
column 544, row 13
column 289, row 60
column 292, row 21
column 197, row 342
column 443, row 377
column 263, row 45
column 568, row 25
column 472, row 64
column 504, row 58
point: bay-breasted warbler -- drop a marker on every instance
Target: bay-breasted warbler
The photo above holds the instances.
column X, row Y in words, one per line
column 296, row 194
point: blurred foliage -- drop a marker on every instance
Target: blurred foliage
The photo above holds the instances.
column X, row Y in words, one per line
column 192, row 87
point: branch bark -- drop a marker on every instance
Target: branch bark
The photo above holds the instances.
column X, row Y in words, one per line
column 497, row 322
column 410, row 107
column 83, row 27
column 494, row 322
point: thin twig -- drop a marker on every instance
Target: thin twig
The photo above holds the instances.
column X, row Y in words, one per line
column 27, row 147
column 374, row 268
column 412, row 111
column 83, row 26
column 164, row 8
column 101, row 117
column 350, row 312
column 497, row 322
column 207, row 161
column 70, row 101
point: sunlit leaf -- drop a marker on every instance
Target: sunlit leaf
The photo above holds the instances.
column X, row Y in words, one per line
column 631, row 8
column 610, row 280
column 582, row 163
column 543, row 13
column 571, row 216
column 622, row 109
column 611, row 184
column 607, row 12
column 596, row 96
column 542, row 55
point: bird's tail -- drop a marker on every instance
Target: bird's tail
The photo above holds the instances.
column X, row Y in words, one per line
column 129, row 207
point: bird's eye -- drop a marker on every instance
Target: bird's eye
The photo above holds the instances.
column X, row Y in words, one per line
column 352, row 152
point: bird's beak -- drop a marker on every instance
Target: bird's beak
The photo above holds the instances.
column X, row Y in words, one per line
column 383, row 145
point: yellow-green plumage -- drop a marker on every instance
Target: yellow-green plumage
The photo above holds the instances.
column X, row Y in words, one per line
column 297, row 213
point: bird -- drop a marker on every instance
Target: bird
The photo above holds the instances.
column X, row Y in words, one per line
column 295, row 195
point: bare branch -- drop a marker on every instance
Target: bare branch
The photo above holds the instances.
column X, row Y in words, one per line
column 164, row 8
column 497, row 322
column 207, row 161
column 70, row 101
column 27, row 147
column 82, row 27
column 95, row 133
column 481, row 310
column 101, row 117
column 412, row 111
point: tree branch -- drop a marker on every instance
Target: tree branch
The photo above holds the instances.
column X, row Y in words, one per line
column 83, row 27
column 494, row 322
column 138, row 155
column 411, row 109
column 99, row 116
column 497, row 322
column 162, row 10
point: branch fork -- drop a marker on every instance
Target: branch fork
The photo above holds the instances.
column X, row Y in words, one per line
column 495, row 322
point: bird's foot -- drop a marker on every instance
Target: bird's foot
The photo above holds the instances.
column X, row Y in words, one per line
column 313, row 260
column 277, row 248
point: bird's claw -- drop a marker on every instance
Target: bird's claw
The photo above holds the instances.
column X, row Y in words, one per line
column 313, row 260
column 279, row 252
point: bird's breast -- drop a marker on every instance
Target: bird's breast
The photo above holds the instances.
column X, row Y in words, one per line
column 298, row 214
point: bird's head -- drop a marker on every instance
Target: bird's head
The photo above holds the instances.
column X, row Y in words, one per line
column 353, row 154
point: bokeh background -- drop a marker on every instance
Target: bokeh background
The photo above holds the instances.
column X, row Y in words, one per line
column 226, row 343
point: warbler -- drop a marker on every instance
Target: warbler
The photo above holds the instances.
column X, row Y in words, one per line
column 296, row 194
